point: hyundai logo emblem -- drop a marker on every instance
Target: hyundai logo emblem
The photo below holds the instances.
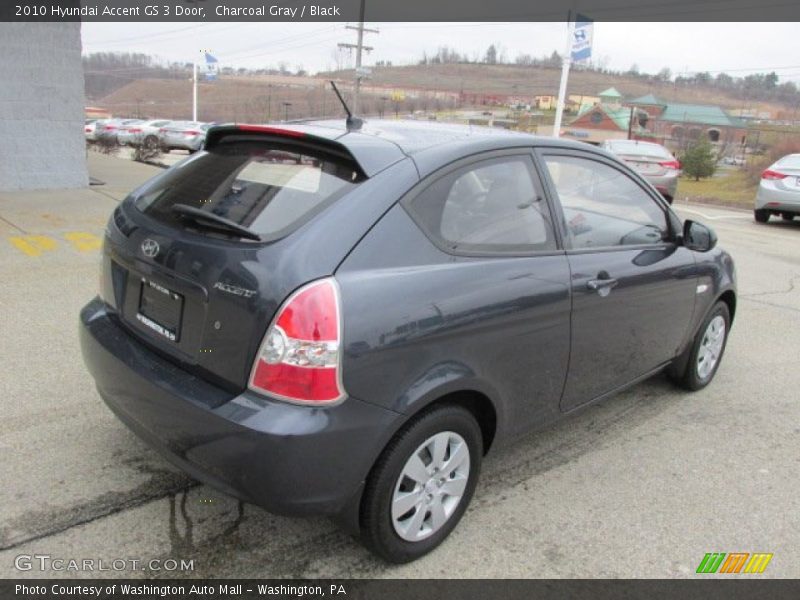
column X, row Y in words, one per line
column 150, row 248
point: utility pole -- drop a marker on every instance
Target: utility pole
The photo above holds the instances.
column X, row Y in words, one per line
column 358, row 47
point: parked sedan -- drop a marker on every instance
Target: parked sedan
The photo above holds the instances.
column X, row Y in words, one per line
column 143, row 132
column 183, row 135
column 89, row 130
column 779, row 190
column 106, row 130
column 654, row 162
column 327, row 320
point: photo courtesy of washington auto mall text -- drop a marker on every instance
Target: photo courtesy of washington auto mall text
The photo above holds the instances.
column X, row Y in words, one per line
column 399, row 299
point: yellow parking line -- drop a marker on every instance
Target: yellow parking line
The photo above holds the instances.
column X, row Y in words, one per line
column 36, row 245
column 33, row 245
column 83, row 242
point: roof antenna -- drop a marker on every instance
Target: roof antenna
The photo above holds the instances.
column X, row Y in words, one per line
column 353, row 123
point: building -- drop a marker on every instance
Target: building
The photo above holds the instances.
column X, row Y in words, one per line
column 672, row 124
column 607, row 119
column 676, row 124
column 41, row 107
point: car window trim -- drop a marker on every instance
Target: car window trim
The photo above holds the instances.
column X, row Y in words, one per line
column 467, row 161
column 542, row 152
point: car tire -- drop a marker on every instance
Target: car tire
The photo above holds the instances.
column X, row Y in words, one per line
column 150, row 142
column 440, row 435
column 761, row 215
column 787, row 216
column 706, row 351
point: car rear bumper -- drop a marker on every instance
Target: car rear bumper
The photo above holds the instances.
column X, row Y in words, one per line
column 666, row 185
column 290, row 459
column 778, row 200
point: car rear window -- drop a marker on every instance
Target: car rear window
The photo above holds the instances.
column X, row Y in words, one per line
column 271, row 190
column 792, row 161
column 640, row 149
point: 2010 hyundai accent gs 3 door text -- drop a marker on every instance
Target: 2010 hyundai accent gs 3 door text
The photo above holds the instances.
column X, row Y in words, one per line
column 343, row 322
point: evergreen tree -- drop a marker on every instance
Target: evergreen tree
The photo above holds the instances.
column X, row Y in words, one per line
column 699, row 160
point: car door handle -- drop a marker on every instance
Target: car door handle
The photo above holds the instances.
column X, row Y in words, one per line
column 601, row 284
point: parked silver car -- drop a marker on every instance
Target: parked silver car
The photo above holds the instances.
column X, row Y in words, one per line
column 89, row 129
column 779, row 190
column 652, row 161
column 144, row 132
column 183, row 135
column 106, row 130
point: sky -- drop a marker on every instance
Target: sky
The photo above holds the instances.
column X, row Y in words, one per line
column 734, row 48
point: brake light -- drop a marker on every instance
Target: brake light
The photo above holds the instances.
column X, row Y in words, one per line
column 110, row 127
column 134, row 131
column 88, row 130
column 770, row 174
column 275, row 130
column 671, row 164
column 162, row 130
column 299, row 358
column 191, row 133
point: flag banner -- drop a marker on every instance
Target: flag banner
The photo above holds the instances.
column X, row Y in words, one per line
column 212, row 67
column 582, row 39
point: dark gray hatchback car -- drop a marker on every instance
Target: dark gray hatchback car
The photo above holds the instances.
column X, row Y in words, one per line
column 327, row 321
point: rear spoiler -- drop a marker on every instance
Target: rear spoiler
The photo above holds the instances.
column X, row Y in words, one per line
column 370, row 153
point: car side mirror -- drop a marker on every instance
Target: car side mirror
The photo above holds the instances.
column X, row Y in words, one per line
column 699, row 237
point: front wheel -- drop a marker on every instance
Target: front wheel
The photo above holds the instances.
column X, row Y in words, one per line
column 761, row 215
column 706, row 350
column 422, row 484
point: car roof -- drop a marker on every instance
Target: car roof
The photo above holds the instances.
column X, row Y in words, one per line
column 380, row 143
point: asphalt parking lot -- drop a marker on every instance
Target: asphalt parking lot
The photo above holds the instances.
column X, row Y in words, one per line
column 642, row 485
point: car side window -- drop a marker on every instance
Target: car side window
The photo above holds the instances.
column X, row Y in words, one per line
column 603, row 206
column 493, row 206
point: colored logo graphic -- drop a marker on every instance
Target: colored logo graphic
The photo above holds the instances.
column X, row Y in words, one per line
column 734, row 562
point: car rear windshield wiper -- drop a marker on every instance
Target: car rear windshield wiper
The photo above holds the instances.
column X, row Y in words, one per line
column 202, row 217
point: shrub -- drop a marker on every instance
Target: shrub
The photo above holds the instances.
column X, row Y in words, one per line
column 699, row 160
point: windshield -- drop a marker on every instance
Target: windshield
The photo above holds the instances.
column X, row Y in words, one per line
column 270, row 190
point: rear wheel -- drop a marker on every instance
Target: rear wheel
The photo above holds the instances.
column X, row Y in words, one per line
column 150, row 142
column 706, row 351
column 761, row 215
column 787, row 216
column 422, row 484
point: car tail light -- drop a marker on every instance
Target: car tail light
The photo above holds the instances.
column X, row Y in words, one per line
column 770, row 174
column 134, row 130
column 191, row 133
column 671, row 164
column 299, row 359
column 88, row 130
column 162, row 130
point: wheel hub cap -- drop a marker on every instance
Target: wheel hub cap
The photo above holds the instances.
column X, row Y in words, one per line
column 710, row 347
column 430, row 486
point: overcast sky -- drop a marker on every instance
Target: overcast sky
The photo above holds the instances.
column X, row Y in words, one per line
column 736, row 48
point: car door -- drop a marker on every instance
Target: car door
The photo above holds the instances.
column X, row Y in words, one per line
column 633, row 286
column 467, row 279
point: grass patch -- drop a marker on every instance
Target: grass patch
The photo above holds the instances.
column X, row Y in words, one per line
column 731, row 189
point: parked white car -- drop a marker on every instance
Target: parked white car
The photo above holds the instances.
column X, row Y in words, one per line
column 779, row 190
column 90, row 130
column 183, row 135
column 145, row 133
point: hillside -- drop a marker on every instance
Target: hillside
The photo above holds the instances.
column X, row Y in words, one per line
column 264, row 97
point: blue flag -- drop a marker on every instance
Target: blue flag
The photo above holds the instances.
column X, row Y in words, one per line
column 212, row 67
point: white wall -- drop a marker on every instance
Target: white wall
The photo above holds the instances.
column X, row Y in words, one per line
column 41, row 107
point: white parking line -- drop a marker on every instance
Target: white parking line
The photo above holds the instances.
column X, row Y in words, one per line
column 713, row 218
